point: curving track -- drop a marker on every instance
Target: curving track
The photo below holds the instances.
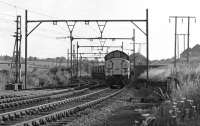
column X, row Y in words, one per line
column 24, row 101
column 6, row 107
column 24, row 97
column 46, row 114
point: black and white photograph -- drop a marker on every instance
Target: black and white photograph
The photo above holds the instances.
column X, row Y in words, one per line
column 99, row 63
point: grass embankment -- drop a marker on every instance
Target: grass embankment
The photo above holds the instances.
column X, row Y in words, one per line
column 53, row 77
column 158, row 74
column 4, row 76
column 183, row 107
column 57, row 76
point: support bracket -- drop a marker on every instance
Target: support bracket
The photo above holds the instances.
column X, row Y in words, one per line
column 138, row 27
column 101, row 27
column 34, row 28
column 71, row 26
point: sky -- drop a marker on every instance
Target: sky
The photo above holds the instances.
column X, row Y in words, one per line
column 44, row 42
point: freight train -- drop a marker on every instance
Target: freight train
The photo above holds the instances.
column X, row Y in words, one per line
column 115, row 71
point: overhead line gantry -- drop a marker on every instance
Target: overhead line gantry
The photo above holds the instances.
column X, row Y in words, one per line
column 71, row 24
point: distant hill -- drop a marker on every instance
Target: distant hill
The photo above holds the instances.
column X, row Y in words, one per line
column 162, row 61
column 193, row 52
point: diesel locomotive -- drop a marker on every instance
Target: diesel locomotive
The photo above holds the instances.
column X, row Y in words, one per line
column 115, row 71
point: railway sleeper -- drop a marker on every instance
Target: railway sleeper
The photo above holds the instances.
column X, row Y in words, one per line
column 11, row 117
column 42, row 121
column 52, row 118
column 17, row 115
column 57, row 117
column 28, row 112
column 32, row 112
column 45, row 109
column 5, row 118
column 52, row 106
column 49, row 109
column 15, row 104
column 35, row 123
column 48, row 119
column 22, row 113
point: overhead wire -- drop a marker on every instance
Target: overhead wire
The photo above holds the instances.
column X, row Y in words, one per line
column 21, row 8
column 9, row 15
column 42, row 14
column 8, row 20
column 45, row 35
column 36, row 12
column 32, row 11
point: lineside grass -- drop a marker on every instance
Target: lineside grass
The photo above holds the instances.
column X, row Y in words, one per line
column 183, row 109
column 158, row 74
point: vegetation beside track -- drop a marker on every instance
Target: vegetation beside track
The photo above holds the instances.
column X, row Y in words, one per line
column 183, row 107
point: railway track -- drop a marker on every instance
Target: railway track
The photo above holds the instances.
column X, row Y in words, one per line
column 6, row 107
column 6, row 98
column 46, row 113
column 23, row 97
column 23, row 101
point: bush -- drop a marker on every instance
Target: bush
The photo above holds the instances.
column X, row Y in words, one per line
column 55, row 77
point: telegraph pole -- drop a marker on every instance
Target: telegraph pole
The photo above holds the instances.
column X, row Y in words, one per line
column 178, row 43
column 77, row 58
column 188, row 40
column 71, row 63
column 74, row 61
column 184, row 42
column 188, row 34
column 122, row 46
column 147, row 40
column 183, row 39
column 134, row 52
column 68, row 60
column 175, row 42
column 26, row 35
column 80, row 64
